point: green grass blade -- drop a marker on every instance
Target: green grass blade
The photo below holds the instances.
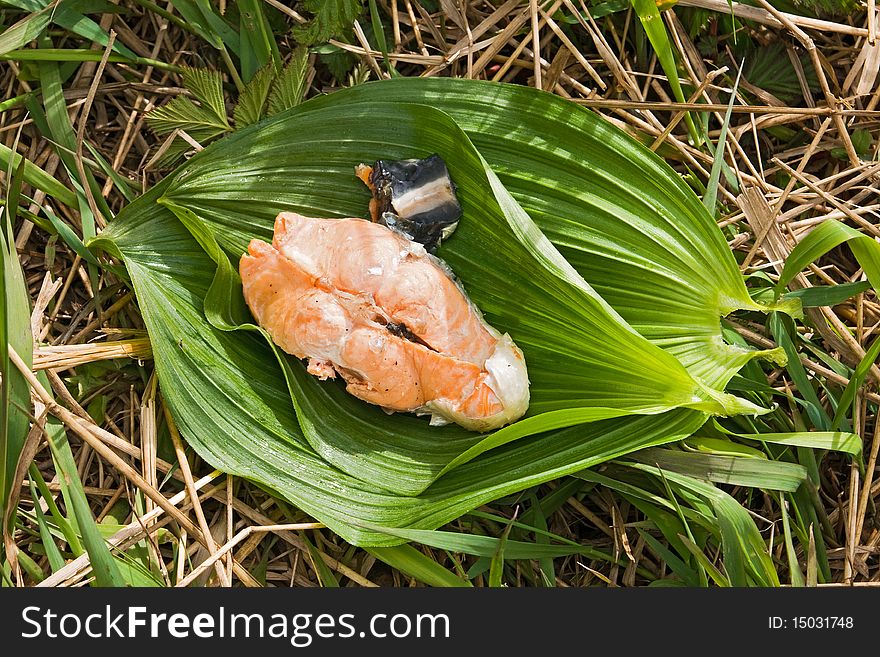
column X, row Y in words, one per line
column 796, row 370
column 539, row 518
column 70, row 15
column 741, row 542
column 24, row 31
column 53, row 554
column 379, row 34
column 202, row 18
column 794, row 569
column 821, row 240
column 81, row 55
column 855, row 383
column 65, row 527
column 485, row 546
column 258, row 46
column 687, row 574
column 325, row 575
column 36, row 177
column 713, row 572
column 841, row 441
column 15, row 333
column 496, row 564
column 103, row 564
column 410, row 561
column 649, row 15
column 827, row 295
column 711, row 196
column 724, row 469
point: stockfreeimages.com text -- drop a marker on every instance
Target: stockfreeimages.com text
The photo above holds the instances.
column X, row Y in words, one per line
column 299, row 629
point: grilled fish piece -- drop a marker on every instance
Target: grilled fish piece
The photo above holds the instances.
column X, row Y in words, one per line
column 414, row 197
column 362, row 302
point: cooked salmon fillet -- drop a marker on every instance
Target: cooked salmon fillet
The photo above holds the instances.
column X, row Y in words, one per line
column 362, row 302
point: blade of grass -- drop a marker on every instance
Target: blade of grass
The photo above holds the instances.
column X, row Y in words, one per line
column 687, row 574
column 855, row 383
column 104, row 566
column 827, row 295
column 258, row 46
column 711, row 195
column 36, row 177
column 325, row 575
column 24, row 31
column 821, row 240
column 63, row 524
column 379, row 33
column 539, row 519
column 798, row 374
column 496, row 566
column 53, row 554
column 649, row 15
column 407, row 559
column 794, row 569
column 724, row 469
column 81, row 55
column 716, row 575
column 15, row 333
column 70, row 15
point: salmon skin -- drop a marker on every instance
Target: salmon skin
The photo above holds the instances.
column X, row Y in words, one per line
column 363, row 303
column 414, row 197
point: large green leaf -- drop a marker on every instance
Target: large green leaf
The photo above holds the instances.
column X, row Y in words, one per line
column 620, row 215
column 230, row 396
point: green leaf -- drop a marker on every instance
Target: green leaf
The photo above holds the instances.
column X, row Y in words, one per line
column 325, row 575
column 797, row 577
column 676, row 565
column 796, row 370
column 496, row 564
column 258, row 47
column 849, row 393
column 53, row 554
column 716, row 575
column 103, row 564
column 331, row 18
column 743, row 548
column 840, row 441
column 634, row 230
column 182, row 114
column 36, row 177
column 203, row 122
column 407, row 559
column 639, row 232
column 69, row 15
column 70, row 238
column 379, row 33
column 207, row 87
column 251, row 105
column 486, row 546
column 290, row 88
column 821, row 240
column 827, row 295
column 649, row 15
column 202, row 19
column 15, row 332
column 24, row 31
column 62, row 525
column 711, row 195
column 724, row 469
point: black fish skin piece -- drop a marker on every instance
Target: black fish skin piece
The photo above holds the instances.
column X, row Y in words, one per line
column 392, row 180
